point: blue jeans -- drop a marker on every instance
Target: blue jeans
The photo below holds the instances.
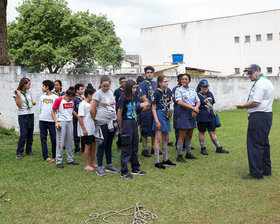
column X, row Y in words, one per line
column 106, row 146
column 44, row 127
column 26, row 126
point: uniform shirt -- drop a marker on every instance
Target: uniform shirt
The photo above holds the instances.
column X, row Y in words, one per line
column 77, row 100
column 26, row 103
column 118, row 92
column 59, row 94
column 147, row 88
column 175, row 107
column 45, row 104
column 188, row 95
column 88, row 122
column 64, row 109
column 162, row 99
column 137, row 94
column 106, row 108
column 206, row 113
column 130, row 109
column 263, row 93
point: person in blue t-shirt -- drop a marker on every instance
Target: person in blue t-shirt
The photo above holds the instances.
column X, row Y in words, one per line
column 206, row 117
column 117, row 94
column 162, row 98
column 127, row 120
column 147, row 88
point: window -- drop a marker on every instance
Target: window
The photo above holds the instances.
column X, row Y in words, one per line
column 237, row 71
column 247, row 38
column 269, row 36
column 269, row 69
column 258, row 37
column 236, row 39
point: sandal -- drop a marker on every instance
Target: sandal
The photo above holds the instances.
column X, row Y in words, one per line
column 52, row 161
column 48, row 159
column 88, row 168
column 94, row 166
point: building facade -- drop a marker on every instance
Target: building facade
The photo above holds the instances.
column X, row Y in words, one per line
column 226, row 44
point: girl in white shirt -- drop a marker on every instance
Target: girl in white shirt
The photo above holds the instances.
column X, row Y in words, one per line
column 86, row 128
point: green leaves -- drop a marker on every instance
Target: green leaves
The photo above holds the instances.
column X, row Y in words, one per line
column 48, row 35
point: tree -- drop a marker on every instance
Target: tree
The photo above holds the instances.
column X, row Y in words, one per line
column 4, row 57
column 48, row 35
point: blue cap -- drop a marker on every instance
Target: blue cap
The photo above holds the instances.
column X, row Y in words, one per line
column 203, row 83
column 252, row 68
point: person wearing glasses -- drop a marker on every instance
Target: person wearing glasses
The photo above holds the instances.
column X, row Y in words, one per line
column 206, row 117
column 259, row 107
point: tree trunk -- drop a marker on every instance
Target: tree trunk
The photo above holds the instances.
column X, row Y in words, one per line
column 4, row 57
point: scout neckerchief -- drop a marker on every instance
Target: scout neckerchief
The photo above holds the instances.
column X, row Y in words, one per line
column 133, row 112
column 26, row 100
column 260, row 76
column 80, row 97
column 150, row 88
column 121, row 88
column 164, row 93
column 58, row 93
column 208, row 105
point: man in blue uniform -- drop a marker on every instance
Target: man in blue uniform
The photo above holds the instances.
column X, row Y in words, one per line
column 259, row 106
column 147, row 88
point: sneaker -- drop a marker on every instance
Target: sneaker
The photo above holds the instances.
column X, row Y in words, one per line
column 126, row 176
column 180, row 159
column 146, row 153
column 19, row 157
column 73, row 163
column 138, row 172
column 170, row 144
column 60, row 165
column 110, row 168
column 190, row 156
column 78, row 153
column 203, row 151
column 168, row 163
column 249, row 176
column 159, row 166
column 100, row 171
column 221, row 150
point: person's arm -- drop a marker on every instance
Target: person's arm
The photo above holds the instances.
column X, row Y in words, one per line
column 250, row 104
column 57, row 125
column 75, row 114
column 182, row 104
column 92, row 109
column 119, row 117
column 17, row 98
column 33, row 103
column 196, row 111
column 154, row 110
column 80, row 119
column 145, row 106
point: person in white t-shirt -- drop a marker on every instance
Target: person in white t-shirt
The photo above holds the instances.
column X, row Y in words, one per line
column 259, row 106
column 25, row 103
column 62, row 114
column 46, row 121
column 86, row 128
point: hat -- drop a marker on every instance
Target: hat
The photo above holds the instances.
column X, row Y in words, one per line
column 252, row 68
column 203, row 83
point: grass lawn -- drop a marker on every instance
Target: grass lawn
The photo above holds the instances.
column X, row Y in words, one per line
column 207, row 190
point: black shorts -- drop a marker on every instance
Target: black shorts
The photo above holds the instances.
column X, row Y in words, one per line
column 210, row 126
column 88, row 139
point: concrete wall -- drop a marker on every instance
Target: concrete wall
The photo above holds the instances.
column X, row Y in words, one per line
column 209, row 44
column 227, row 91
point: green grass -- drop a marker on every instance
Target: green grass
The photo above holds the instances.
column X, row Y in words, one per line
column 207, row 190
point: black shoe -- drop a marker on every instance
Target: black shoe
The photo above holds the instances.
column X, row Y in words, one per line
column 192, row 147
column 221, row 150
column 73, row 163
column 159, row 166
column 138, row 172
column 19, row 156
column 146, row 153
column 60, row 165
column 180, row 159
column 170, row 144
column 203, row 151
column 168, row 163
column 190, row 156
column 153, row 151
column 126, row 176
column 249, row 176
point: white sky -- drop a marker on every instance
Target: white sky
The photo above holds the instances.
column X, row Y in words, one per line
column 131, row 15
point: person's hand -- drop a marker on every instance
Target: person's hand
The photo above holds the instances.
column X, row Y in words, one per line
column 195, row 109
column 194, row 114
column 33, row 103
column 240, row 106
column 85, row 132
column 158, row 125
column 57, row 126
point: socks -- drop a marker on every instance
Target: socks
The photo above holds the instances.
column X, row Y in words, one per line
column 157, row 155
column 179, row 148
column 202, row 143
column 188, row 146
column 216, row 143
column 165, row 157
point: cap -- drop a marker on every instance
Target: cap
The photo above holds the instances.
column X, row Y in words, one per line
column 203, row 83
column 252, row 68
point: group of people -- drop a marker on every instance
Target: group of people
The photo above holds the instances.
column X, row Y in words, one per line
column 97, row 116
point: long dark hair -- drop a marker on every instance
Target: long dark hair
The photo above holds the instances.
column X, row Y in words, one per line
column 22, row 82
column 127, row 92
column 71, row 91
column 160, row 79
column 89, row 90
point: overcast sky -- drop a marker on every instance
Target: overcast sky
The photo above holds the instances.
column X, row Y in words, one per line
column 131, row 15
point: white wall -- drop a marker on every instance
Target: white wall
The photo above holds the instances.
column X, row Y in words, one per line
column 209, row 44
column 227, row 91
